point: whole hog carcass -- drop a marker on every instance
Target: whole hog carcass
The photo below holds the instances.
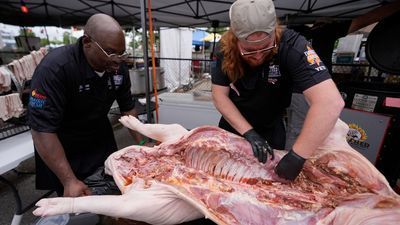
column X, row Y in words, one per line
column 213, row 173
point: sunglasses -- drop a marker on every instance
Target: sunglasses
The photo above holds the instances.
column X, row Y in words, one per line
column 112, row 56
column 247, row 53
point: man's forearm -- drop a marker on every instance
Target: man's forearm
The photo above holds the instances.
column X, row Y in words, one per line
column 232, row 114
column 318, row 124
column 52, row 153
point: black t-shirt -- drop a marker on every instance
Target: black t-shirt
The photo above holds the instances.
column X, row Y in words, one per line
column 68, row 98
column 263, row 93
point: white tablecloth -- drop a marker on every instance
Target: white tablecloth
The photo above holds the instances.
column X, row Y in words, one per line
column 14, row 150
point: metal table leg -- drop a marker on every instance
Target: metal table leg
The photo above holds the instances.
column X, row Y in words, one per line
column 20, row 211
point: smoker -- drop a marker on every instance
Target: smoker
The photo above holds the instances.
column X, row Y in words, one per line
column 373, row 98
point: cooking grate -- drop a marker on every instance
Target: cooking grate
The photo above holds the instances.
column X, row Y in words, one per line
column 12, row 127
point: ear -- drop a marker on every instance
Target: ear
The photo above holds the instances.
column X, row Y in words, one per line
column 86, row 41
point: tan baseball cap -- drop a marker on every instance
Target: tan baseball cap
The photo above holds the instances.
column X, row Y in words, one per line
column 249, row 16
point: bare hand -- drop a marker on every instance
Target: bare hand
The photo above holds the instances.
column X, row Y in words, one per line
column 76, row 188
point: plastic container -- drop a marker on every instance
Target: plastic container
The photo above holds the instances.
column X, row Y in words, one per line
column 181, row 108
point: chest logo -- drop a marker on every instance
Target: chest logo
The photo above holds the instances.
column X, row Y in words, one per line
column 273, row 74
column 84, row 87
column 118, row 79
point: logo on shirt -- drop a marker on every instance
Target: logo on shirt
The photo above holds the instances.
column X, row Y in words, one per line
column 273, row 74
column 117, row 80
column 84, row 87
column 37, row 99
column 313, row 59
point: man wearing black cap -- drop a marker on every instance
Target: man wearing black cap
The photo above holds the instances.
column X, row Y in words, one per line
column 73, row 89
column 256, row 70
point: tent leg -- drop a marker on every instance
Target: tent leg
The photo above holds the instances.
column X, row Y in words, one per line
column 16, row 219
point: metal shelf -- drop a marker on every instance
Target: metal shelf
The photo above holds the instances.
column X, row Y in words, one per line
column 13, row 127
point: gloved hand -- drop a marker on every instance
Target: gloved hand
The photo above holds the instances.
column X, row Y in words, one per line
column 259, row 145
column 290, row 166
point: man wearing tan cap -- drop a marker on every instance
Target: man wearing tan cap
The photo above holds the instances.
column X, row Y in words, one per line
column 258, row 67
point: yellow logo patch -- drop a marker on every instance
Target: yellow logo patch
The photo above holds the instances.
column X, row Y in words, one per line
column 312, row 57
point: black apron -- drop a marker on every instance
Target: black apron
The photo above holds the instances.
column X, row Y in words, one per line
column 264, row 93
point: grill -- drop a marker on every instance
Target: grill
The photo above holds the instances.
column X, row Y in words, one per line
column 13, row 127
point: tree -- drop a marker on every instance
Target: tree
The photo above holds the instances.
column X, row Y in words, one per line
column 68, row 38
column 137, row 40
column 44, row 42
column 218, row 30
column 27, row 31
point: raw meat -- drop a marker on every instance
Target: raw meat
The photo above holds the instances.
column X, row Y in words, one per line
column 211, row 172
column 10, row 106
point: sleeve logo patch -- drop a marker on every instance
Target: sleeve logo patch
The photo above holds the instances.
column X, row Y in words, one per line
column 37, row 100
column 313, row 59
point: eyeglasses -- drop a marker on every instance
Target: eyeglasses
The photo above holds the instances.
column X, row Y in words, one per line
column 112, row 56
column 244, row 53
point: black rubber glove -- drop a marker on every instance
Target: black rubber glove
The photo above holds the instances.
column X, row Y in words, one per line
column 290, row 166
column 259, row 145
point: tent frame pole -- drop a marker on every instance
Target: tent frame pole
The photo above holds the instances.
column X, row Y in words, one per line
column 145, row 57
